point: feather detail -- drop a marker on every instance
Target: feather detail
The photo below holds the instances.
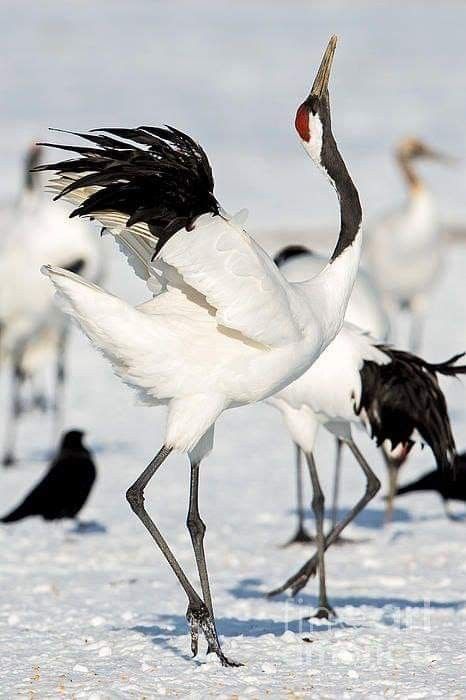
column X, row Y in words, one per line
column 155, row 180
column 403, row 396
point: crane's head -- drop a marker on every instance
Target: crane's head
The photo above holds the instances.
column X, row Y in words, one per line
column 413, row 148
column 313, row 116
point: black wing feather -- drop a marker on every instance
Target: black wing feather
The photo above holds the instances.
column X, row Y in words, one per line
column 403, row 396
column 159, row 176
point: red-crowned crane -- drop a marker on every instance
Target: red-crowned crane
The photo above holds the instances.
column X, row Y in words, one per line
column 365, row 310
column 226, row 328
column 404, row 248
column 356, row 380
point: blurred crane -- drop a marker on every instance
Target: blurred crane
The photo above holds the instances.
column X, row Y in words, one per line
column 33, row 331
column 404, row 248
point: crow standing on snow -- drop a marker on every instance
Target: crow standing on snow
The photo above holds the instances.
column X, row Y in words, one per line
column 65, row 488
column 450, row 487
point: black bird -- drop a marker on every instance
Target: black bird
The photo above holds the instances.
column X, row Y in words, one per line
column 65, row 488
column 450, row 486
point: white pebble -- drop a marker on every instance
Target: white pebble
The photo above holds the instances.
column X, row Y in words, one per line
column 97, row 621
column 79, row 668
column 289, row 637
column 353, row 674
column 105, row 651
column 345, row 656
column 13, row 619
column 269, row 668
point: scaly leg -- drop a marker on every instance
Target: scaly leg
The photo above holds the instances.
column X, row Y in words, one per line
column 16, row 410
column 336, row 482
column 324, row 610
column 198, row 615
column 300, row 579
column 197, row 528
column 301, row 535
column 417, row 309
column 392, row 486
column 60, row 383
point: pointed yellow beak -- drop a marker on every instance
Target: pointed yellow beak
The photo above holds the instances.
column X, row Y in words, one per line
column 320, row 84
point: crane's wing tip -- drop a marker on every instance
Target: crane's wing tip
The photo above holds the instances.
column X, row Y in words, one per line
column 46, row 270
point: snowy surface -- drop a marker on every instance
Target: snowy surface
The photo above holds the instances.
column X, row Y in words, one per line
column 98, row 615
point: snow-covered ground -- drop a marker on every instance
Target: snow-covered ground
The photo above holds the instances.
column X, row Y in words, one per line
column 99, row 615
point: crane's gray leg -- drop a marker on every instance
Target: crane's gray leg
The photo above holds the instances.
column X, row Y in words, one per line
column 16, row 410
column 336, row 491
column 198, row 614
column 417, row 309
column 392, row 486
column 336, row 481
column 324, row 609
column 300, row 579
column 60, row 379
column 301, row 535
column 197, row 528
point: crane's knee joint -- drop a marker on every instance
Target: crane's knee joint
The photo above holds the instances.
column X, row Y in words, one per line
column 373, row 486
column 318, row 501
column 196, row 527
column 135, row 497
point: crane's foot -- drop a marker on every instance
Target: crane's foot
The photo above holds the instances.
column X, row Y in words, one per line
column 8, row 460
column 301, row 536
column 297, row 582
column 199, row 620
column 324, row 612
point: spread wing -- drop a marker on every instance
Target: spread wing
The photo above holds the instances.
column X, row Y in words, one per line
column 237, row 278
column 155, row 195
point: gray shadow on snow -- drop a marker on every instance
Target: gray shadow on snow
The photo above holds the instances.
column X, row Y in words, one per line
column 254, row 588
column 371, row 518
column 232, row 627
column 374, row 518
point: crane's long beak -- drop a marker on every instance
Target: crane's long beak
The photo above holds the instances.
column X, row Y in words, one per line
column 442, row 157
column 320, row 84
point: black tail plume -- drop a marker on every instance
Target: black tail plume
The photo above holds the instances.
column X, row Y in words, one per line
column 403, row 396
column 448, row 368
column 158, row 176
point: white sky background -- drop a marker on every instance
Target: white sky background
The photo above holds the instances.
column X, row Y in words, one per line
column 231, row 74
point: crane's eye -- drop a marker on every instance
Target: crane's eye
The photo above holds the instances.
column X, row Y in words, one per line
column 302, row 122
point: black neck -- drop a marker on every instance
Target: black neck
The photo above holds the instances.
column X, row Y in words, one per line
column 350, row 206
